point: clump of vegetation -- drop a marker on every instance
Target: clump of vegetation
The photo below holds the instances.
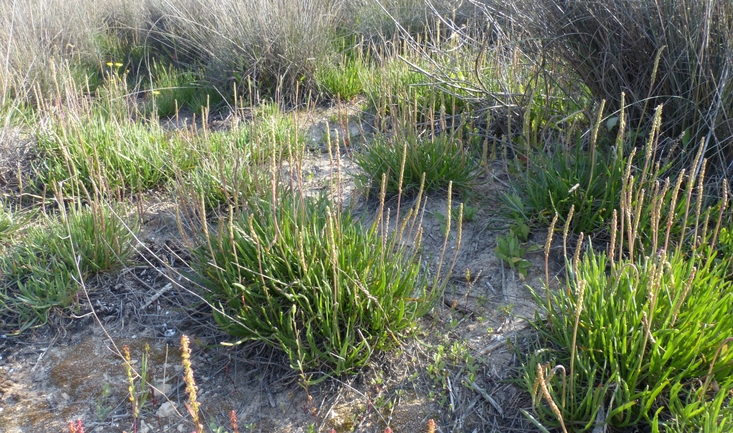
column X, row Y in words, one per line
column 44, row 270
column 99, row 154
column 587, row 181
column 640, row 332
column 441, row 160
column 173, row 90
column 301, row 274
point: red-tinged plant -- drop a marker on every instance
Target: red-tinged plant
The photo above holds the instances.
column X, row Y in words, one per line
column 76, row 427
column 233, row 421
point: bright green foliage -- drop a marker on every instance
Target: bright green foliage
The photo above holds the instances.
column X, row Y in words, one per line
column 302, row 275
column 647, row 334
column 11, row 220
column 224, row 174
column 106, row 155
column 509, row 249
column 271, row 134
column 236, row 163
column 41, row 272
column 342, row 80
column 725, row 248
column 642, row 332
column 568, row 178
column 443, row 159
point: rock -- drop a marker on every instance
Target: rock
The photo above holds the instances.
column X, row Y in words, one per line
column 166, row 410
column 164, row 389
column 144, row 428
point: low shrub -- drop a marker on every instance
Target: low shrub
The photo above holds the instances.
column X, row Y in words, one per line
column 670, row 52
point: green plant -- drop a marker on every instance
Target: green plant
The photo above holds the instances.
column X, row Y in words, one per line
column 399, row 89
column 234, row 164
column 300, row 274
column 102, row 406
column 570, row 177
column 225, row 172
column 11, row 220
column 461, row 212
column 640, row 332
column 447, row 358
column 509, row 249
column 42, row 271
column 342, row 80
column 90, row 154
column 215, row 428
column 437, row 368
column 174, row 89
column 441, row 160
column 506, row 310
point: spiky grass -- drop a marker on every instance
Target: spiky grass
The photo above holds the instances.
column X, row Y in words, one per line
column 37, row 273
column 443, row 159
column 290, row 258
column 93, row 154
column 636, row 329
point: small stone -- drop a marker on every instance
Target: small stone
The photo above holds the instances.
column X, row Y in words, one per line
column 180, row 428
column 163, row 389
column 144, row 428
column 166, row 410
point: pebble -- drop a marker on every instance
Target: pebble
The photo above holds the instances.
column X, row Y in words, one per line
column 166, row 410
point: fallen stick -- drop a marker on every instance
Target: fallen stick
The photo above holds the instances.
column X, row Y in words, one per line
column 486, row 395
